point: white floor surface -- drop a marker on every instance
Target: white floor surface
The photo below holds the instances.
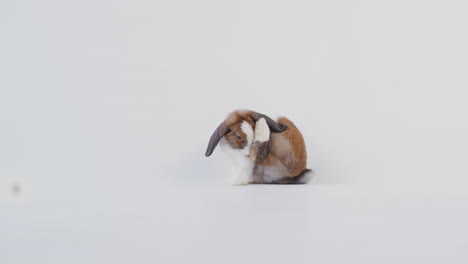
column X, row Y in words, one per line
column 218, row 223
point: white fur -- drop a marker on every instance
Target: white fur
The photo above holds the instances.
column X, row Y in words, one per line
column 242, row 166
column 262, row 131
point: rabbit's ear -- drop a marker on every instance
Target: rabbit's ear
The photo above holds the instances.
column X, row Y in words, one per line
column 273, row 125
column 217, row 135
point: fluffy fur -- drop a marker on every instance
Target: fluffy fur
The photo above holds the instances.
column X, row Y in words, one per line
column 262, row 150
column 242, row 166
column 262, row 132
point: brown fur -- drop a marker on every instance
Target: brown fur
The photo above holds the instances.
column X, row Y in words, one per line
column 287, row 150
column 259, row 151
column 235, row 137
column 284, row 155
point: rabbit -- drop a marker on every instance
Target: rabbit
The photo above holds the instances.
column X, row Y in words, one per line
column 262, row 150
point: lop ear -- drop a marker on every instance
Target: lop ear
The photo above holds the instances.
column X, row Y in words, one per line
column 217, row 135
column 272, row 124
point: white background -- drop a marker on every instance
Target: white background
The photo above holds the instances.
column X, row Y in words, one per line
column 106, row 108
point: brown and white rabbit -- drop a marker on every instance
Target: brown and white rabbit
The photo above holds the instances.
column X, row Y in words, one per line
column 262, row 150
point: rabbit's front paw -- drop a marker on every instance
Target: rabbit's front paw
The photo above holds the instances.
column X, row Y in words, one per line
column 239, row 180
column 262, row 131
column 261, row 146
